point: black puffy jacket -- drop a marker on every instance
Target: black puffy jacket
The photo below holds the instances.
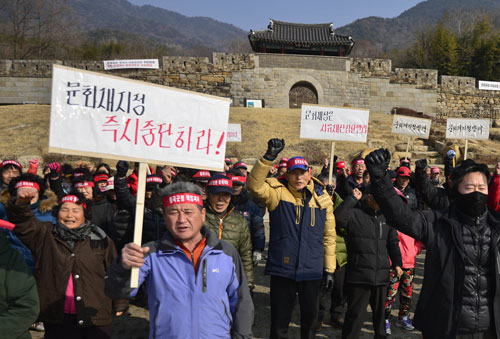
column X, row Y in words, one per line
column 444, row 291
column 153, row 223
column 479, row 283
column 102, row 214
column 369, row 243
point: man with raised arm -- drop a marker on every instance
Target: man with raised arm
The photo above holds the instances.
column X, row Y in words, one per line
column 301, row 242
column 196, row 283
column 460, row 295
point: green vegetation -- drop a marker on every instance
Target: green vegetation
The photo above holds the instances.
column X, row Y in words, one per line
column 473, row 51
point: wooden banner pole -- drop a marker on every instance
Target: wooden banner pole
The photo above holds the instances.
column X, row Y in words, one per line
column 408, row 145
column 332, row 157
column 139, row 217
column 465, row 150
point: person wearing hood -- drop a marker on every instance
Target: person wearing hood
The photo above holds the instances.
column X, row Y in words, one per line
column 226, row 222
column 9, row 169
column 71, row 257
column 460, row 295
column 370, row 243
column 243, row 203
column 41, row 206
column 102, row 210
column 301, row 241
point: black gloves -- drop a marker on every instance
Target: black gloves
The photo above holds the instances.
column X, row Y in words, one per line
column 377, row 163
column 121, row 169
column 329, row 189
column 420, row 166
column 274, row 147
column 329, row 280
column 55, row 169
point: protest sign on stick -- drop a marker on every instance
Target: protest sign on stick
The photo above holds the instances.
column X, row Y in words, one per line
column 233, row 133
column 413, row 127
column 104, row 116
column 478, row 129
column 333, row 124
column 139, row 217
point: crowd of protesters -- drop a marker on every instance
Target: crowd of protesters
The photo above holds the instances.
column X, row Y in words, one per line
column 339, row 242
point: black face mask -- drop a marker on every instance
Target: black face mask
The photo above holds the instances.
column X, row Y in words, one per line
column 473, row 204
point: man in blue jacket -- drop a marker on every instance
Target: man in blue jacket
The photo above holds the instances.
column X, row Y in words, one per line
column 196, row 283
column 301, row 239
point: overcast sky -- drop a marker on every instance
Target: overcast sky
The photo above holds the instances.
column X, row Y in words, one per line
column 255, row 14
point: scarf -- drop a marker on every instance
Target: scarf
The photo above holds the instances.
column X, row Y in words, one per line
column 72, row 235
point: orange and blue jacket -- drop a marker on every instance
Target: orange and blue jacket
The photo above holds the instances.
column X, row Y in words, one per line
column 302, row 226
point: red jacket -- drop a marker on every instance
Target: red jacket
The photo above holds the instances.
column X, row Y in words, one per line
column 494, row 193
column 410, row 248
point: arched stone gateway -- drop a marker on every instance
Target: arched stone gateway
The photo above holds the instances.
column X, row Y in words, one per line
column 302, row 92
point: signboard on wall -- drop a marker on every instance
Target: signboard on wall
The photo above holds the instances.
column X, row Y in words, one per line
column 135, row 63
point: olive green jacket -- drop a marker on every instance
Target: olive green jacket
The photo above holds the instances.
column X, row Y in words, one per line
column 340, row 249
column 19, row 305
column 233, row 228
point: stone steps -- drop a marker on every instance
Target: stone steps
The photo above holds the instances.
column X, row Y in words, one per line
column 426, row 155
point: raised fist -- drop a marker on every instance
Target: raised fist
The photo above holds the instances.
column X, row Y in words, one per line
column 274, row 147
column 377, row 162
column 121, row 169
column 55, row 169
column 420, row 165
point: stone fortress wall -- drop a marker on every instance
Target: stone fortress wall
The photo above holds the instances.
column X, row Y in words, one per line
column 358, row 82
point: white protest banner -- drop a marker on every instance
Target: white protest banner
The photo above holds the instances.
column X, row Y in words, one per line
column 104, row 116
column 133, row 63
column 415, row 127
column 334, row 123
column 467, row 129
column 489, row 85
column 233, row 133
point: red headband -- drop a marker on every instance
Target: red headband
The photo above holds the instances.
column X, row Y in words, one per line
column 101, row 177
column 282, row 164
column 84, row 184
column 238, row 179
column 11, row 162
column 202, row 174
column 221, row 183
column 154, row 180
column 27, row 184
column 182, row 198
column 73, row 199
column 340, row 164
column 358, row 162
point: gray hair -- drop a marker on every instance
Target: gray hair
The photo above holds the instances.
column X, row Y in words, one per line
column 181, row 187
column 324, row 178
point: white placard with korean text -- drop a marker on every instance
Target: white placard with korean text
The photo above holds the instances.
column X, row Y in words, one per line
column 415, row 127
column 489, row 85
column 132, row 63
column 233, row 133
column 105, row 116
column 467, row 129
column 334, row 123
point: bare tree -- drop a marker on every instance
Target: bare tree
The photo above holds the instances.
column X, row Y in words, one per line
column 32, row 27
